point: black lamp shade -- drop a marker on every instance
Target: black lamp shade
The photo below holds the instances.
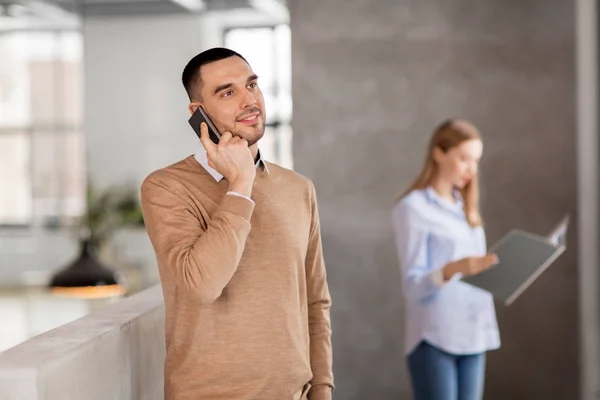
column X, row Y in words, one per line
column 86, row 277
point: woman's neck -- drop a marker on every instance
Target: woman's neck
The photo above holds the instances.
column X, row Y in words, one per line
column 444, row 189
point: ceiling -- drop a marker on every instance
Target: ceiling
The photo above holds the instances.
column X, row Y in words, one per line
column 136, row 7
column 21, row 14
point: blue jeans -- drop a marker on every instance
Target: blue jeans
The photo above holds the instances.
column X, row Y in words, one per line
column 437, row 375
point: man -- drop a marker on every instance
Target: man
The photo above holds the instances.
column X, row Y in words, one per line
column 238, row 245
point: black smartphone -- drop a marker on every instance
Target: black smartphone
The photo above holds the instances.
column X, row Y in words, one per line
column 200, row 116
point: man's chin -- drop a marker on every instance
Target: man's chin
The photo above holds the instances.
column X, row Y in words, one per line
column 254, row 136
column 252, row 141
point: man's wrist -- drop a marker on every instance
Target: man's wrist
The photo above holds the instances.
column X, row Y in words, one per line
column 233, row 193
column 242, row 186
column 320, row 392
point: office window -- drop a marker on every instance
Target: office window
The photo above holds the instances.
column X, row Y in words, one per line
column 42, row 164
column 268, row 50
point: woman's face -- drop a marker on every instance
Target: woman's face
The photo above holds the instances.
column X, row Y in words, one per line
column 458, row 166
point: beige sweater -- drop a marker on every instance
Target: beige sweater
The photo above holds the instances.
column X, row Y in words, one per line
column 246, row 297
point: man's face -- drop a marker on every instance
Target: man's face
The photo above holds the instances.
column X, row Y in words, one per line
column 232, row 99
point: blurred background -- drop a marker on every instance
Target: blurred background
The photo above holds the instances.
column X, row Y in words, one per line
column 91, row 102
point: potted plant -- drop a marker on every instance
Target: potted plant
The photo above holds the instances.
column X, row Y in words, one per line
column 107, row 211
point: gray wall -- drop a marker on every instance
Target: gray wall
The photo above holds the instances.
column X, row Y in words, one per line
column 370, row 81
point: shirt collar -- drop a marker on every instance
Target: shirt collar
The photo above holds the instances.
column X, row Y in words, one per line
column 202, row 159
column 457, row 206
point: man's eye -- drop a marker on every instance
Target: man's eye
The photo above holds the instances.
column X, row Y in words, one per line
column 252, row 85
column 227, row 93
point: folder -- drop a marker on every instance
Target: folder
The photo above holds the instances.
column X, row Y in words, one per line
column 523, row 257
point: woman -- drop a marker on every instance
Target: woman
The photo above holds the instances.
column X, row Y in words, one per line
column 439, row 237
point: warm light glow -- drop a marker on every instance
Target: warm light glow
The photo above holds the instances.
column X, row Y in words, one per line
column 90, row 292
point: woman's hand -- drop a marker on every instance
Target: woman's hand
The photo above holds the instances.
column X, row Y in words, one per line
column 470, row 266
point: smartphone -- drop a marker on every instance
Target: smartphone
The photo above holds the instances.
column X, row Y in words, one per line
column 200, row 116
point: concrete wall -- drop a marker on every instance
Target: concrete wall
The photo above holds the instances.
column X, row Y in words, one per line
column 114, row 353
column 371, row 79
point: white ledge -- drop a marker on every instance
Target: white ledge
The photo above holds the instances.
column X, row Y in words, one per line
column 114, row 353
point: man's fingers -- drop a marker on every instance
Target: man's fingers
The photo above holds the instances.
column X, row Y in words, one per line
column 239, row 141
column 225, row 138
column 211, row 163
column 205, row 139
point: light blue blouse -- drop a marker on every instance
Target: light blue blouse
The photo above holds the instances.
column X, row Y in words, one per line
column 454, row 316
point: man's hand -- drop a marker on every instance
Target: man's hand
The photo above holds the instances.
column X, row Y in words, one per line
column 232, row 159
column 470, row 266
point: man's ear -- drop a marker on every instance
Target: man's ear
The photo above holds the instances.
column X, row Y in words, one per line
column 193, row 106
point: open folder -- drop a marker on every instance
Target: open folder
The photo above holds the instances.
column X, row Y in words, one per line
column 523, row 257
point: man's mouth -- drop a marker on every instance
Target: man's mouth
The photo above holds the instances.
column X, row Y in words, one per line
column 250, row 119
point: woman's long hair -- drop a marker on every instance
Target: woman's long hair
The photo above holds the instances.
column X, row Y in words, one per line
column 449, row 134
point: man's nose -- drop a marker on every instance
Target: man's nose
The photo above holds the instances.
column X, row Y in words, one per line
column 248, row 99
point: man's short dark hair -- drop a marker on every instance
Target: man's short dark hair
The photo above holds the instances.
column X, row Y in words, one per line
column 191, row 72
